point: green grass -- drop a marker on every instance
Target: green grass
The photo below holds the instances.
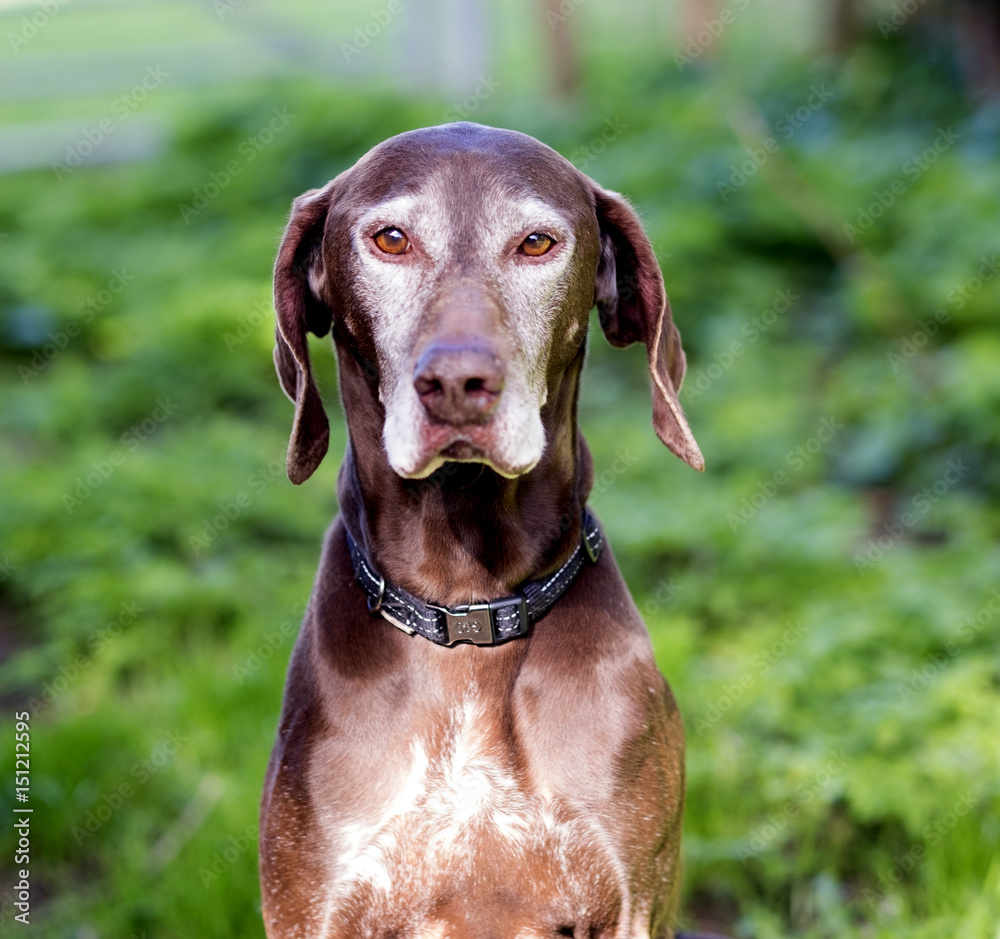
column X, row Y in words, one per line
column 842, row 760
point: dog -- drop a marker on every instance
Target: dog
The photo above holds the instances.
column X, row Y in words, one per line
column 475, row 740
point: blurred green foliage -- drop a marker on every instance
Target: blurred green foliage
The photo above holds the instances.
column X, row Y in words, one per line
column 823, row 600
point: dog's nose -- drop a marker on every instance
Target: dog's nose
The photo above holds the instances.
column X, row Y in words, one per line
column 459, row 383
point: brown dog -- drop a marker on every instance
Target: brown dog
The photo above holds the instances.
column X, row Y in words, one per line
column 530, row 788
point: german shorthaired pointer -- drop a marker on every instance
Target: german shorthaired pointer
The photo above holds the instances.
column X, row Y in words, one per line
column 475, row 739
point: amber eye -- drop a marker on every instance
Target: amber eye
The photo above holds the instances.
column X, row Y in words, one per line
column 392, row 241
column 536, row 244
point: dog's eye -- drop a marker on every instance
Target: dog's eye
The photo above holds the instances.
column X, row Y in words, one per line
column 392, row 241
column 536, row 244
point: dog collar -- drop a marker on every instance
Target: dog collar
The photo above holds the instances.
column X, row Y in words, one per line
column 484, row 624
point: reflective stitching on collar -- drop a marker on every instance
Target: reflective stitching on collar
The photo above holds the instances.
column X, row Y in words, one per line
column 394, row 603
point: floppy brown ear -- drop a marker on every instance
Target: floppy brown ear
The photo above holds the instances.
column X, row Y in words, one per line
column 633, row 307
column 298, row 310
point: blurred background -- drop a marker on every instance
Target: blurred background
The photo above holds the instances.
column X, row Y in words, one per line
column 822, row 187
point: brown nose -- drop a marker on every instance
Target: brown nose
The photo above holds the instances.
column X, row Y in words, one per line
column 459, row 382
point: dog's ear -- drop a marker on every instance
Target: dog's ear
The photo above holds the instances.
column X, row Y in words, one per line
column 297, row 271
column 633, row 307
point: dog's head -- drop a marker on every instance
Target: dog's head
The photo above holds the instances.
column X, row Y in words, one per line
column 460, row 264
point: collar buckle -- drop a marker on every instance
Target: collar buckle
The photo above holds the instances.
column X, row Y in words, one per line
column 477, row 623
column 471, row 622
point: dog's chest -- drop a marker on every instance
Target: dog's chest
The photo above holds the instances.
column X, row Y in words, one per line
column 465, row 814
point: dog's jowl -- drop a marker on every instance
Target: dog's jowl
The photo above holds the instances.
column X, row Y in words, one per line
column 475, row 740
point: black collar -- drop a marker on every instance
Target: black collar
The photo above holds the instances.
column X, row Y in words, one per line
column 484, row 624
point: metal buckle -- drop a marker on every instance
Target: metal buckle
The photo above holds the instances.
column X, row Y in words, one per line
column 376, row 606
column 475, row 622
column 470, row 623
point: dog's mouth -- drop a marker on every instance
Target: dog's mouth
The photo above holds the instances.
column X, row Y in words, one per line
column 463, row 451
column 436, row 444
column 468, row 444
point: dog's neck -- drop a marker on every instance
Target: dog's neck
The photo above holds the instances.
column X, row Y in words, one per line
column 465, row 533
